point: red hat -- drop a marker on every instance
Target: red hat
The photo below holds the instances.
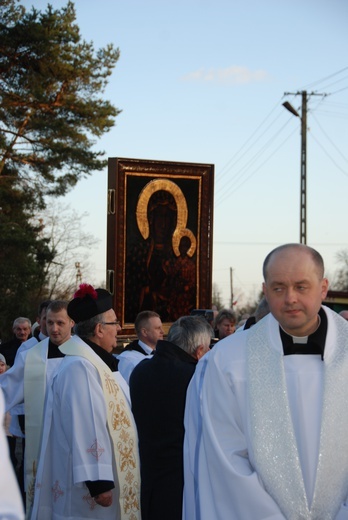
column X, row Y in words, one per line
column 89, row 302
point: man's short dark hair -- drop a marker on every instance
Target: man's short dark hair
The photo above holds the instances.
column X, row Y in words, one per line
column 57, row 305
column 43, row 305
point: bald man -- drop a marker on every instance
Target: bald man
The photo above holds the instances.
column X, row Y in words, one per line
column 273, row 438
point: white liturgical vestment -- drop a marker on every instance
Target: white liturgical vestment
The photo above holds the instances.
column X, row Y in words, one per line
column 11, row 505
column 25, row 384
column 273, row 442
column 77, row 446
column 128, row 359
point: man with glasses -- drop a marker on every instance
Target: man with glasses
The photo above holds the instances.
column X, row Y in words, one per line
column 89, row 461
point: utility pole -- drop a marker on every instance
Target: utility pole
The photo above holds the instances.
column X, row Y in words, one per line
column 78, row 274
column 303, row 179
column 231, row 283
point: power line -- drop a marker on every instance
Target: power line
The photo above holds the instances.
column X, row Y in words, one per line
column 337, row 91
column 310, row 85
column 251, row 161
column 336, row 104
column 328, row 155
column 330, row 140
column 325, row 87
column 242, row 172
column 269, row 244
column 337, row 115
column 228, row 193
column 228, row 164
column 240, row 176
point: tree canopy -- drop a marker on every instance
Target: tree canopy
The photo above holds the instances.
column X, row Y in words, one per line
column 52, row 112
column 50, row 86
column 340, row 282
column 70, row 240
column 23, row 256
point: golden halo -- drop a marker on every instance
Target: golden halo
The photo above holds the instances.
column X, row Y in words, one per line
column 143, row 201
column 177, row 236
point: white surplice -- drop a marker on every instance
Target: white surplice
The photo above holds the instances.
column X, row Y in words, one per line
column 13, row 380
column 192, row 440
column 11, row 505
column 129, row 359
column 17, row 410
column 274, row 433
column 32, row 398
column 76, row 446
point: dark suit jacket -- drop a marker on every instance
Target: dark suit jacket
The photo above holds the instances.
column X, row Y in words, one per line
column 9, row 350
column 134, row 345
column 158, row 393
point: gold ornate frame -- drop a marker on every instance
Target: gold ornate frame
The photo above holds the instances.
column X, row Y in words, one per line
column 131, row 185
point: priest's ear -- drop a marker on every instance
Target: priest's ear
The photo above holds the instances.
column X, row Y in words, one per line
column 98, row 330
column 324, row 288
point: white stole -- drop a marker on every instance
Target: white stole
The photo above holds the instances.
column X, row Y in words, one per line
column 272, row 435
column 121, row 428
column 34, row 401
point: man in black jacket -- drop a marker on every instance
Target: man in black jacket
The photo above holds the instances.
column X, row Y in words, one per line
column 158, row 392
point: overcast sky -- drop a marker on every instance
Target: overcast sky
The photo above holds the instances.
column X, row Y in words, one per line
column 203, row 81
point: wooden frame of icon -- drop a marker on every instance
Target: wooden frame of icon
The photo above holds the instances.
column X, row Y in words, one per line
column 159, row 238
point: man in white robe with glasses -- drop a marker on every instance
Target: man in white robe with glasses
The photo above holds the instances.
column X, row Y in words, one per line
column 89, row 462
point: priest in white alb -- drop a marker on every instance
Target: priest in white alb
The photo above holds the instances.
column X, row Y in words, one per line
column 28, row 381
column 273, row 407
column 89, row 463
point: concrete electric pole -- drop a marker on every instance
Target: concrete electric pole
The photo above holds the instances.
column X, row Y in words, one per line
column 303, row 179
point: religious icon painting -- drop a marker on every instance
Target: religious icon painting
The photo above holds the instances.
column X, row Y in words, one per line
column 159, row 238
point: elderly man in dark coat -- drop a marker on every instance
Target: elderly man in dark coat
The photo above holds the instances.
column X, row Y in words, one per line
column 158, row 393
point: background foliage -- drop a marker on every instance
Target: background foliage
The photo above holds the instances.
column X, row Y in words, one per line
column 51, row 114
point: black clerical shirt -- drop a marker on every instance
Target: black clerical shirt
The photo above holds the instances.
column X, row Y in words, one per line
column 315, row 343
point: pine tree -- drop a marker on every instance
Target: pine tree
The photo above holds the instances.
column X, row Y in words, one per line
column 51, row 114
column 50, row 86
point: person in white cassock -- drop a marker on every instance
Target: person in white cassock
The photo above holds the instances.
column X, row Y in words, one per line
column 11, row 505
column 28, row 381
column 273, row 440
column 89, row 463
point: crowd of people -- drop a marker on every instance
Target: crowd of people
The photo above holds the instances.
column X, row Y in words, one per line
column 210, row 422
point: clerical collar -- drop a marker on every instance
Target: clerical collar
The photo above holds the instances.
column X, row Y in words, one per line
column 148, row 350
column 53, row 351
column 315, row 343
column 108, row 358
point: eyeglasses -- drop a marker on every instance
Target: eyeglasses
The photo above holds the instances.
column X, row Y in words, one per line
column 111, row 322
